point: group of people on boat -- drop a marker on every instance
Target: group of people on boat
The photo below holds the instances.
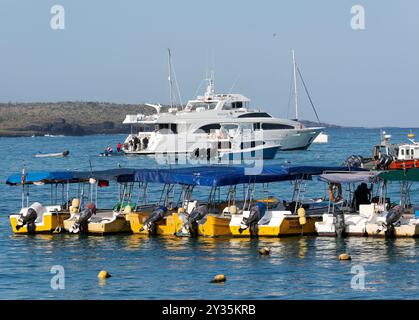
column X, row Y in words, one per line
column 137, row 144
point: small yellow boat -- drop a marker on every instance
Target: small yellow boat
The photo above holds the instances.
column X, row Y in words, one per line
column 168, row 226
column 49, row 220
column 102, row 222
column 274, row 223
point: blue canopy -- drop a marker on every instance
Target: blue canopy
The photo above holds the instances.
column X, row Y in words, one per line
column 43, row 177
column 48, row 177
column 214, row 176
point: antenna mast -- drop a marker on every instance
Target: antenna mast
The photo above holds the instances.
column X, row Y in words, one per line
column 295, row 85
column 169, row 62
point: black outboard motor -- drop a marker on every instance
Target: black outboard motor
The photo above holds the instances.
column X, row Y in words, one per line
column 151, row 222
column 385, row 161
column 354, row 161
column 29, row 217
column 198, row 213
column 393, row 216
column 256, row 213
column 81, row 224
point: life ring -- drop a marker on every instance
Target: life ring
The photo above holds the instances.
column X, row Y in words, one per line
column 333, row 188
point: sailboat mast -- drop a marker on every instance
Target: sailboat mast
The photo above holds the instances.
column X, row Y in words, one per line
column 295, row 84
column 169, row 62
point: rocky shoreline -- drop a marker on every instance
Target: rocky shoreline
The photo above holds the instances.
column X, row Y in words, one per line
column 66, row 118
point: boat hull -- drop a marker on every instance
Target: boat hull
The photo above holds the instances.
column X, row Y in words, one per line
column 104, row 226
column 284, row 227
column 167, row 227
column 51, row 223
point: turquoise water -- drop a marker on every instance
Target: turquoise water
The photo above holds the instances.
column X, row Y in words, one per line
column 181, row 268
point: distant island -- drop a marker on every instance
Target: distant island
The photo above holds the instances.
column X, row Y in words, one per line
column 74, row 118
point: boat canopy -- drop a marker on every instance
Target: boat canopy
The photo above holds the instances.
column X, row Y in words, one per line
column 215, row 176
column 401, row 175
column 41, row 177
column 350, row 177
column 51, row 177
column 211, row 176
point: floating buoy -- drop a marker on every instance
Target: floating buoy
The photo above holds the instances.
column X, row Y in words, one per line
column 103, row 274
column 219, row 278
column 265, row 251
column 344, row 256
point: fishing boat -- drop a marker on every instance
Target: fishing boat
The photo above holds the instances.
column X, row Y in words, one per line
column 343, row 216
column 102, row 221
column 34, row 218
column 388, row 156
column 213, row 215
column 401, row 219
column 66, row 203
column 286, row 218
column 65, row 153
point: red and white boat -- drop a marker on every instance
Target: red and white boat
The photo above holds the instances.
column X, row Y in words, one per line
column 388, row 156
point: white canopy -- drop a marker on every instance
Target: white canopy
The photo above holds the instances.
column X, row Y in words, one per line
column 350, row 177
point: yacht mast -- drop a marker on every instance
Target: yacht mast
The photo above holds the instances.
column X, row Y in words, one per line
column 295, row 84
column 169, row 62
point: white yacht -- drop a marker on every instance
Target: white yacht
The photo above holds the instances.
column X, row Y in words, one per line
column 207, row 121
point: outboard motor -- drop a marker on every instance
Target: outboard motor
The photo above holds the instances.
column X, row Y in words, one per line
column 385, row 161
column 29, row 217
column 393, row 216
column 81, row 224
column 256, row 213
column 198, row 213
column 354, row 161
column 151, row 222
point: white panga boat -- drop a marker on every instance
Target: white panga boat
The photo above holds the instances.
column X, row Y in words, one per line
column 65, row 153
column 188, row 129
column 375, row 217
column 344, row 216
column 402, row 219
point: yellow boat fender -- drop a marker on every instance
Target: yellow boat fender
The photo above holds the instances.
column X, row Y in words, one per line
column 302, row 216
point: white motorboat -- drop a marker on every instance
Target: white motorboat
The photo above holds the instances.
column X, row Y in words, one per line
column 187, row 129
column 343, row 215
column 65, row 153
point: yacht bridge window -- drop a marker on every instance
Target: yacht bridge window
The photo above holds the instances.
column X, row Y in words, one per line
column 201, row 106
column 166, row 127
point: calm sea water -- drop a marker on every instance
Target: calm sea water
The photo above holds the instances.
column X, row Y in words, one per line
column 181, row 268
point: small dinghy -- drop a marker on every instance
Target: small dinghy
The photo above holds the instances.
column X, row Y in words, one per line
column 65, row 153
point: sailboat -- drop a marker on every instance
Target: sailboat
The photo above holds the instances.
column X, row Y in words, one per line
column 322, row 137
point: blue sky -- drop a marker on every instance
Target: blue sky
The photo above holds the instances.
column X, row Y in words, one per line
column 116, row 51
